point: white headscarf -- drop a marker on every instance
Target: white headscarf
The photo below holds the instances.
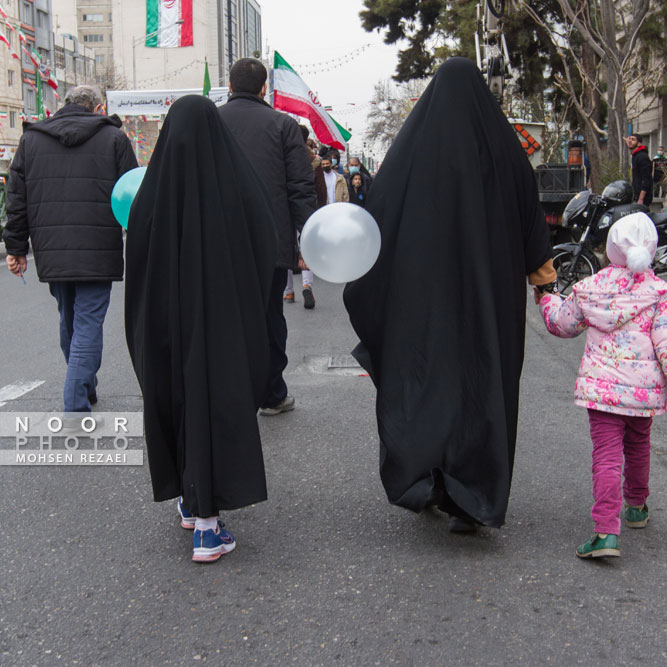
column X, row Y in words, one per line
column 632, row 242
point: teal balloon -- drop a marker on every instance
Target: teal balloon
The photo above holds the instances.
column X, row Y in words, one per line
column 123, row 194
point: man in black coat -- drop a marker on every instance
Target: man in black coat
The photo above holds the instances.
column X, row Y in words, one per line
column 274, row 145
column 59, row 196
column 642, row 171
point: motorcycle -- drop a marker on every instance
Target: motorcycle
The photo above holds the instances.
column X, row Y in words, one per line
column 590, row 216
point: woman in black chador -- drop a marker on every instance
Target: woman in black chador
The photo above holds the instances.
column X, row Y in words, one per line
column 200, row 255
column 441, row 316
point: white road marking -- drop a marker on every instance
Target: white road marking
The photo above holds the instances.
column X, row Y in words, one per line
column 11, row 392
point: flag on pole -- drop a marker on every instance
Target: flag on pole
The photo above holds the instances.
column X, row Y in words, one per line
column 292, row 94
column 162, row 31
column 3, row 13
column 4, row 39
column 207, row 80
column 40, row 101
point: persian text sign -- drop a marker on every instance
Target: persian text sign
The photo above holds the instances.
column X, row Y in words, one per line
column 155, row 102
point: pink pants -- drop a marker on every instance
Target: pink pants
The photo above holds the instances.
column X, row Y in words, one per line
column 615, row 437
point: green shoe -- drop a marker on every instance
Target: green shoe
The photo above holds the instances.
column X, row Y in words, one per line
column 636, row 517
column 599, row 547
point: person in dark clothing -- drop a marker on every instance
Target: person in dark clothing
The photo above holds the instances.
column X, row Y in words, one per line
column 441, row 340
column 201, row 225
column 357, row 190
column 306, row 273
column 659, row 171
column 59, row 196
column 274, row 145
column 355, row 166
column 642, row 173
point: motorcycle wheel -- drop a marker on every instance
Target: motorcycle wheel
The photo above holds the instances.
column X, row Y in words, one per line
column 568, row 275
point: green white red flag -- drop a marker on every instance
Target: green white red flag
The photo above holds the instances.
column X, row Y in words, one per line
column 168, row 23
column 292, row 94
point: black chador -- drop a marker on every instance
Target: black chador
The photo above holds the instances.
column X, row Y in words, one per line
column 201, row 250
column 441, row 316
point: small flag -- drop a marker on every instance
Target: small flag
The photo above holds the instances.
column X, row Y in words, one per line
column 3, row 13
column 207, row 80
column 4, row 39
column 35, row 57
column 15, row 55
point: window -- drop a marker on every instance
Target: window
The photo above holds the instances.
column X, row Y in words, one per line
column 42, row 19
column 93, row 18
column 59, row 56
column 93, row 38
column 12, row 119
column 8, row 34
column 26, row 13
column 253, row 31
column 99, row 60
column 30, row 102
column 10, row 77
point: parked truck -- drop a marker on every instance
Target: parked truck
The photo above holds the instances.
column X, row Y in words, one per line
column 557, row 183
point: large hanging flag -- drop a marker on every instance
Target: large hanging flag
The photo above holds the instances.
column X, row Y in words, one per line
column 168, row 23
column 292, row 94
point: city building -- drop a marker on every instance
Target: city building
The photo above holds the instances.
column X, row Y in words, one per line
column 222, row 32
column 11, row 87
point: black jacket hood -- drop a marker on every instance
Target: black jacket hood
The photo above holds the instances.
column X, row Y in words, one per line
column 73, row 125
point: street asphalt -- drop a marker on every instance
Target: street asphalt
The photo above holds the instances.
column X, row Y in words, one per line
column 326, row 572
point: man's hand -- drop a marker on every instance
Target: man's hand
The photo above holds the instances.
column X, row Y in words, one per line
column 17, row 264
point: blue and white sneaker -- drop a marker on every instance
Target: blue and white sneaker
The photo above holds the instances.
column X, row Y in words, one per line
column 209, row 545
column 187, row 520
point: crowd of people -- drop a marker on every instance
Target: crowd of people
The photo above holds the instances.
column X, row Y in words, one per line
column 213, row 236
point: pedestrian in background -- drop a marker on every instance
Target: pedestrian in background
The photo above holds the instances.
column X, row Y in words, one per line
column 199, row 222
column 59, row 196
column 621, row 380
column 321, row 189
column 642, row 171
column 659, row 172
column 357, row 190
column 355, row 166
column 274, row 145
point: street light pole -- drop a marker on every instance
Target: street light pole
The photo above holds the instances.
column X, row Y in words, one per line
column 136, row 41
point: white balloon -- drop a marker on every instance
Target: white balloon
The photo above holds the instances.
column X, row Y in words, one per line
column 340, row 242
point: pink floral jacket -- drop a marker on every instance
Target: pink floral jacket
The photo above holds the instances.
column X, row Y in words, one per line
column 625, row 362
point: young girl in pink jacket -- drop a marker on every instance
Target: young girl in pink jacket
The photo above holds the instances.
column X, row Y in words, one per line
column 621, row 380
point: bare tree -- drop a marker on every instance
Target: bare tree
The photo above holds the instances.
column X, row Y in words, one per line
column 391, row 105
column 598, row 44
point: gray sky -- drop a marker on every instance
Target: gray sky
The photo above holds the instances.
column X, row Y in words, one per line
column 313, row 34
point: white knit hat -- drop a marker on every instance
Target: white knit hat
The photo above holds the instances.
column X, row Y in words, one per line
column 632, row 242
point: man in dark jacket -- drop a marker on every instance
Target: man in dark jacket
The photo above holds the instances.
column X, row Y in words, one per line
column 59, row 196
column 642, row 174
column 274, row 145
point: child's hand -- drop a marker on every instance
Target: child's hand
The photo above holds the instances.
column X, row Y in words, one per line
column 537, row 295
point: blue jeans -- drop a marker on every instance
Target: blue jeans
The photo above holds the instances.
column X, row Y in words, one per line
column 82, row 307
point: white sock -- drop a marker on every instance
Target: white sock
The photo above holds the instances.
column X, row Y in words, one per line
column 210, row 523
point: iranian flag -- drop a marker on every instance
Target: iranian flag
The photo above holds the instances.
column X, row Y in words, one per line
column 168, row 23
column 292, row 94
